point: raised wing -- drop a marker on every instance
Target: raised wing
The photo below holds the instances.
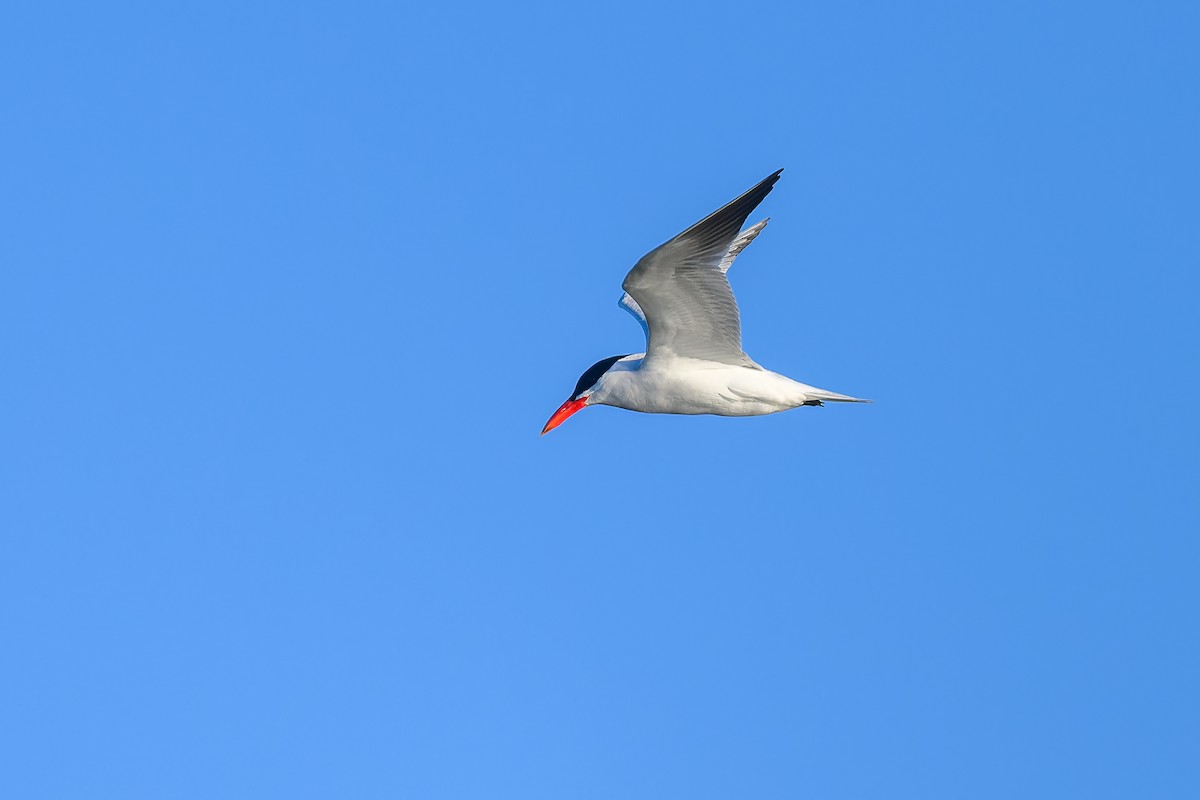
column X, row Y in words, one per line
column 629, row 304
column 682, row 291
column 739, row 244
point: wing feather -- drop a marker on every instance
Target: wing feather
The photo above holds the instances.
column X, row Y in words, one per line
column 681, row 288
column 739, row 244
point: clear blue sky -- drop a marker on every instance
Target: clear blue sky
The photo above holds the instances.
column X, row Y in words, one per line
column 288, row 293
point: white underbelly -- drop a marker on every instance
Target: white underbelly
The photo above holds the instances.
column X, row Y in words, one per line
column 698, row 387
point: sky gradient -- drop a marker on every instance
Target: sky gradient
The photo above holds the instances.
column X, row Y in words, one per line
column 289, row 291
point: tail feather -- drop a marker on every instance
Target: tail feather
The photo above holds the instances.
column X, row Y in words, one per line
column 834, row 397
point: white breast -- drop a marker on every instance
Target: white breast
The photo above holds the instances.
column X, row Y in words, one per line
column 693, row 386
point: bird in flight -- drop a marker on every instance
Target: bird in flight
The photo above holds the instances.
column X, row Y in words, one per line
column 693, row 362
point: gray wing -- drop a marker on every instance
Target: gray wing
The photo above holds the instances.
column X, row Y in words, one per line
column 739, row 244
column 629, row 304
column 682, row 291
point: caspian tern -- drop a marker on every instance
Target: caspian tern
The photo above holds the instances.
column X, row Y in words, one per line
column 693, row 362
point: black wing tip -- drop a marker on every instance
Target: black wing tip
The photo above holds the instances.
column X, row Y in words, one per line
column 727, row 220
column 758, row 192
column 773, row 178
column 763, row 187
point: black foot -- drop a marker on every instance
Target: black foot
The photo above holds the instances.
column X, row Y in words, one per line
column 812, row 403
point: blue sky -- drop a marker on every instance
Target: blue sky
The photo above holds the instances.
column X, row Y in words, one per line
column 289, row 291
